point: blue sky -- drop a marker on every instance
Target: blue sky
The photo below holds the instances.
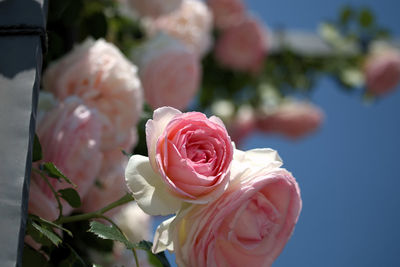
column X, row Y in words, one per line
column 348, row 171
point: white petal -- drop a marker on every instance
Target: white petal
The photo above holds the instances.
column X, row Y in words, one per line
column 155, row 127
column 148, row 189
column 163, row 237
column 253, row 161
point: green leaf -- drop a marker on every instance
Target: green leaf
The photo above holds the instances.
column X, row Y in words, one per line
column 110, row 232
column 46, row 232
column 31, row 257
column 49, row 223
column 52, row 171
column 71, row 196
column 37, row 150
column 159, row 259
column 366, row 18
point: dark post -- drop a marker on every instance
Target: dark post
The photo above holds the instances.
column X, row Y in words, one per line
column 22, row 42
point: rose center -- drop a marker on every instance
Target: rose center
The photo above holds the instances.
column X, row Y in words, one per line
column 256, row 221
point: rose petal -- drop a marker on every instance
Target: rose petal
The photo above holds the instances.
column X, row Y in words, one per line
column 162, row 237
column 260, row 159
column 148, row 189
column 155, row 127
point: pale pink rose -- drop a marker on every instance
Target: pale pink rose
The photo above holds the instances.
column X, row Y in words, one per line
column 293, row 119
column 189, row 158
column 70, row 137
column 97, row 72
column 242, row 47
column 227, row 12
column 170, row 72
column 109, row 185
column 382, row 70
column 137, row 226
column 191, row 24
column 243, row 124
column 153, row 8
column 247, row 226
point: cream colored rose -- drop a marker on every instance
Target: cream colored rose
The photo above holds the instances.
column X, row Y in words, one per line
column 97, row 72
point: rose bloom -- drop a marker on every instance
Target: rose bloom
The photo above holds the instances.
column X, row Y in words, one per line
column 189, row 158
column 153, row 8
column 97, row 72
column 136, row 225
column 227, row 12
column 109, row 185
column 247, row 226
column 293, row 119
column 169, row 71
column 191, row 24
column 243, row 124
column 242, row 47
column 70, row 137
column 382, row 70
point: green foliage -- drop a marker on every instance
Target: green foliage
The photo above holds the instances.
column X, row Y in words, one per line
column 52, row 171
column 31, row 257
column 110, row 232
column 42, row 233
column 71, row 196
column 37, row 150
column 113, row 233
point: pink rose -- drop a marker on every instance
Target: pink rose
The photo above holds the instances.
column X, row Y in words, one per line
column 189, row 159
column 243, row 124
column 293, row 119
column 382, row 70
column 227, row 12
column 170, row 73
column 70, row 137
column 242, row 47
column 191, row 24
column 109, row 186
column 97, row 72
column 153, row 8
column 247, row 226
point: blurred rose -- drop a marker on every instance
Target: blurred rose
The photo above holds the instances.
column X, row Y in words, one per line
column 242, row 47
column 46, row 102
column 191, row 24
column 293, row 119
column 227, row 12
column 137, row 226
column 243, row 124
column 247, row 226
column 153, row 8
column 189, row 159
column 97, row 72
column 382, row 69
column 70, row 135
column 170, row 73
column 109, row 186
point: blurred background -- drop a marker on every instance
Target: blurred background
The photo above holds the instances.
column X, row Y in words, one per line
column 348, row 170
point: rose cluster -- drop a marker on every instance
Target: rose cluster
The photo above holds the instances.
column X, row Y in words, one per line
column 87, row 114
column 231, row 207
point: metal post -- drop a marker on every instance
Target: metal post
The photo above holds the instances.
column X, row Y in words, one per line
column 22, row 39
